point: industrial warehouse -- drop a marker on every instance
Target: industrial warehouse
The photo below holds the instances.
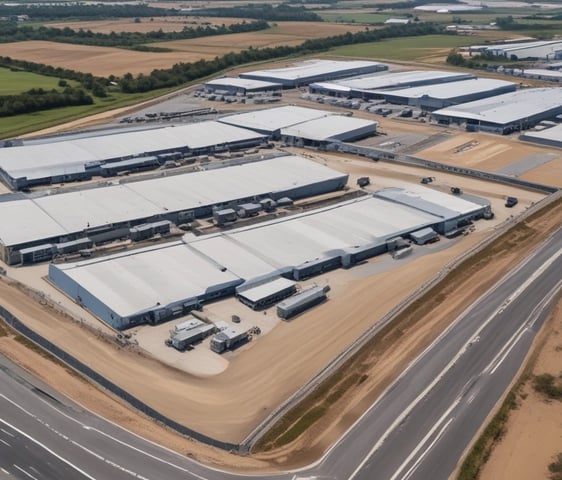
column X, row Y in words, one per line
column 34, row 228
column 172, row 279
column 61, row 159
column 505, row 113
column 547, row 49
column 550, row 137
column 432, row 97
column 331, row 128
column 365, row 87
column 242, row 86
column 314, row 71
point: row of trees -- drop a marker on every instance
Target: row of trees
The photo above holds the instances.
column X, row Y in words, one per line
column 185, row 72
column 69, row 10
column 38, row 99
column 12, row 32
column 262, row 11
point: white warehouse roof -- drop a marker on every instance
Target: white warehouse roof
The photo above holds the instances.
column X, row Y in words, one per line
column 246, row 83
column 334, row 126
column 70, row 156
column 53, row 215
column 450, row 90
column 397, row 79
column 509, row 107
column 312, row 68
column 273, row 119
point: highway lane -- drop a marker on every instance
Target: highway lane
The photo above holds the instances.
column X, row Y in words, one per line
column 417, row 430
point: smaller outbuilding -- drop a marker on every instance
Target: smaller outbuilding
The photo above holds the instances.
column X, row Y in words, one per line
column 423, row 236
column 264, row 294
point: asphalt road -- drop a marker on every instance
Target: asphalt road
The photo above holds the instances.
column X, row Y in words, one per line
column 417, row 430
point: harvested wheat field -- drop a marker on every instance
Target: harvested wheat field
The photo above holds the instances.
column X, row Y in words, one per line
column 166, row 24
column 105, row 61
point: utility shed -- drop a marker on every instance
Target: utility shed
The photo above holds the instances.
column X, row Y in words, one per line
column 334, row 127
column 431, row 97
column 315, row 70
column 505, row 113
column 270, row 121
column 264, row 294
column 301, row 302
column 228, row 339
column 423, row 236
column 233, row 85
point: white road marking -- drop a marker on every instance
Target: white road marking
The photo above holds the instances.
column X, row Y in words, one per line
column 6, row 431
column 5, row 471
column 23, row 471
column 424, row 441
column 454, row 360
column 5, row 443
column 62, row 459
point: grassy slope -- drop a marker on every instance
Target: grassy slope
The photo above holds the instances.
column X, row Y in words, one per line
column 12, row 83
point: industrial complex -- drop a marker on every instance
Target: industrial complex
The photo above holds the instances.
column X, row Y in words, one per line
column 35, row 225
column 546, row 49
column 173, row 279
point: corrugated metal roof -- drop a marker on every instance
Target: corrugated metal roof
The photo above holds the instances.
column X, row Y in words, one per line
column 553, row 134
column 263, row 290
column 328, row 127
column 508, row 107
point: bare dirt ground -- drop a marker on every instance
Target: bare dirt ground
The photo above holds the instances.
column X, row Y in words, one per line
column 534, row 430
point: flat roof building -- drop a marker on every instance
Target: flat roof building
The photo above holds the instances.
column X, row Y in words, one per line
column 171, row 279
column 544, row 49
column 365, row 86
column 333, row 127
column 432, row 97
column 243, row 86
column 98, row 212
column 505, row 113
column 62, row 160
column 270, row 121
column 315, row 70
column 551, row 137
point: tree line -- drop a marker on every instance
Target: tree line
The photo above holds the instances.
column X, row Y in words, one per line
column 261, row 11
column 38, row 99
column 12, row 32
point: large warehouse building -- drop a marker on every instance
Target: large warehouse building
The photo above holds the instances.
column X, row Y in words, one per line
column 366, row 86
column 325, row 129
column 170, row 280
column 314, row 71
column 505, row 113
column 270, row 121
column 34, row 225
column 432, row 97
column 548, row 49
column 242, row 86
column 79, row 158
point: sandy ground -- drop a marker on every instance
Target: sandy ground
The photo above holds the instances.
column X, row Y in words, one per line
column 534, row 430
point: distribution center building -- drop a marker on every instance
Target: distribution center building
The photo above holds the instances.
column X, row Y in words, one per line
column 365, row 86
column 547, row 49
column 242, row 86
column 109, row 212
column 314, row 71
column 551, row 137
column 505, row 113
column 79, row 158
column 331, row 128
column 171, row 279
column 432, row 97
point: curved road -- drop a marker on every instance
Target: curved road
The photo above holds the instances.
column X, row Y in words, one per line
column 418, row 429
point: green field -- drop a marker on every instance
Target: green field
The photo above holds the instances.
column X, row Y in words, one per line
column 354, row 17
column 12, row 83
column 407, row 48
column 19, row 124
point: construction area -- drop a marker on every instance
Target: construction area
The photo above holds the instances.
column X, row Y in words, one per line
column 229, row 277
